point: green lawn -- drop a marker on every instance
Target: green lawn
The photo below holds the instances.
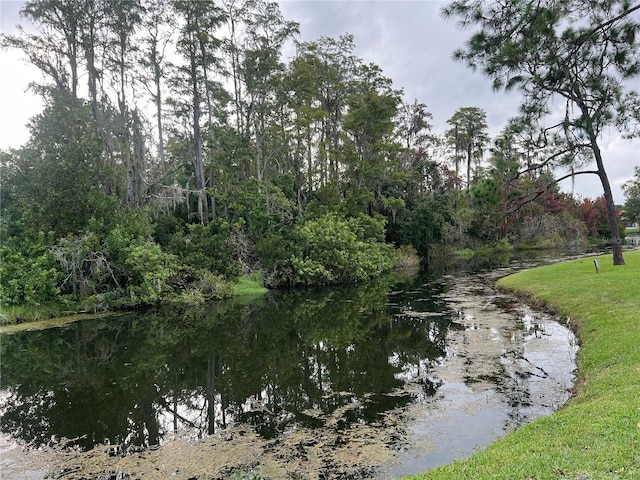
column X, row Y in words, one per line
column 597, row 434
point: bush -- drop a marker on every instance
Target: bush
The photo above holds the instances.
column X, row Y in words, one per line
column 335, row 250
column 206, row 286
column 407, row 257
column 549, row 231
column 29, row 275
column 206, row 247
column 122, row 270
column 149, row 272
column 424, row 225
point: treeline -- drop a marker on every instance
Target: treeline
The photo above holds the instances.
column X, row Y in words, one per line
column 178, row 149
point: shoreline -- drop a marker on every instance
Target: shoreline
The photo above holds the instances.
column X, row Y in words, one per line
column 597, row 433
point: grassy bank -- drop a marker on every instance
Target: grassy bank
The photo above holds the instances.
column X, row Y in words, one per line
column 596, row 435
column 243, row 286
column 249, row 286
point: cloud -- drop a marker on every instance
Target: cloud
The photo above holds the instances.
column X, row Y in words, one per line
column 9, row 15
column 18, row 104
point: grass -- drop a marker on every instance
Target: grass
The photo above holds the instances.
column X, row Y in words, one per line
column 10, row 315
column 596, row 436
column 249, row 285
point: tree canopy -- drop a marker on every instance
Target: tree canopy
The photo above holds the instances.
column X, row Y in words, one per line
column 582, row 53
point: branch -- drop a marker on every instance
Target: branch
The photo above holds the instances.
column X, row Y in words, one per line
column 536, row 194
column 582, row 38
column 573, row 174
column 547, row 161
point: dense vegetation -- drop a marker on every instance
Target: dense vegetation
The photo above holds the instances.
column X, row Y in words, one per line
column 596, row 435
column 177, row 150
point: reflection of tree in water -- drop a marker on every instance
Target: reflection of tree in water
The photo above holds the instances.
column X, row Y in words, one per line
column 289, row 357
column 76, row 383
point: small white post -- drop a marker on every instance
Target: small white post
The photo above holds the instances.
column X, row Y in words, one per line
column 595, row 262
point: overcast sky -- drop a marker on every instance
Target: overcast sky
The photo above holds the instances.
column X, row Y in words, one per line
column 409, row 40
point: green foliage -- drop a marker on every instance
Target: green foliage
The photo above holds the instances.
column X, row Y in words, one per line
column 306, row 271
column 204, row 286
column 325, row 200
column 149, row 271
column 632, row 194
column 422, row 225
column 55, row 176
column 485, row 197
column 87, row 270
column 468, row 137
column 29, row 274
column 327, row 250
column 121, row 269
column 206, row 247
column 336, row 250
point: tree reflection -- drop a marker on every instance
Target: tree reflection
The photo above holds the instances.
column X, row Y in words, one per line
column 285, row 358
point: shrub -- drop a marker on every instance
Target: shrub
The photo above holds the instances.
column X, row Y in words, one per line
column 206, row 247
column 548, row 231
column 29, row 274
column 335, row 250
column 149, row 272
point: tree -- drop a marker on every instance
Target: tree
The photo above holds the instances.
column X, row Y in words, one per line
column 57, row 47
column 157, row 36
column 122, row 18
column 415, row 161
column 55, row 172
column 468, row 136
column 369, row 122
column 632, row 193
column 425, row 224
column 325, row 71
column 594, row 213
column 198, row 47
column 579, row 51
column 261, row 71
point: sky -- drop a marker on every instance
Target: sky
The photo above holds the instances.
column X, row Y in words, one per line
column 411, row 42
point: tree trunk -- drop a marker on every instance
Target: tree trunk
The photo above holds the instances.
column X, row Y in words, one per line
column 158, row 99
column 212, row 198
column 469, row 155
column 198, row 154
column 138, row 157
column 616, row 242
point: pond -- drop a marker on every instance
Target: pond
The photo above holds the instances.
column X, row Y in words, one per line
column 370, row 381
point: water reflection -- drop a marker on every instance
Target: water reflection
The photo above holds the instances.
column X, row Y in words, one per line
column 439, row 364
column 128, row 381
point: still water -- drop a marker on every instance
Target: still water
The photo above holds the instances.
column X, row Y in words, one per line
column 369, row 381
